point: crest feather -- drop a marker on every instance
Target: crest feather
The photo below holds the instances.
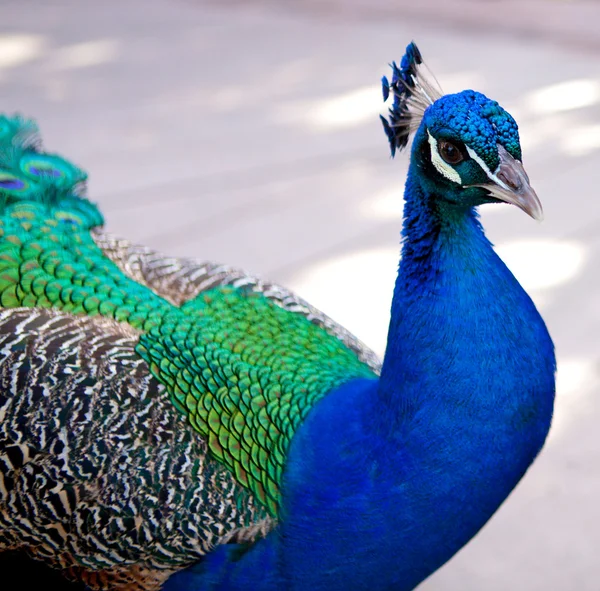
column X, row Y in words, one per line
column 412, row 92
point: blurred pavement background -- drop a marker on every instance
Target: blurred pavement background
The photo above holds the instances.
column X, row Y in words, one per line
column 246, row 132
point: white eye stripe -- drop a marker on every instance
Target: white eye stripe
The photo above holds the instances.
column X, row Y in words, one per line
column 442, row 167
column 485, row 168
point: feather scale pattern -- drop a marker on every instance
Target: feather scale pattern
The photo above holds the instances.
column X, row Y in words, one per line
column 247, row 373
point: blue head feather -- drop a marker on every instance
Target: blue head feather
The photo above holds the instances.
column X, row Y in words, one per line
column 478, row 122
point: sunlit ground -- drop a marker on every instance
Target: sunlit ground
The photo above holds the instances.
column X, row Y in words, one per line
column 248, row 135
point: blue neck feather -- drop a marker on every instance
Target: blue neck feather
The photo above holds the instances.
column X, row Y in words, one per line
column 387, row 479
column 459, row 317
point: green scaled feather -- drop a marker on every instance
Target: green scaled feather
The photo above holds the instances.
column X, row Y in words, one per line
column 256, row 372
column 49, row 259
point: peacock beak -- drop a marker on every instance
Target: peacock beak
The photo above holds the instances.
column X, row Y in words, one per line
column 510, row 184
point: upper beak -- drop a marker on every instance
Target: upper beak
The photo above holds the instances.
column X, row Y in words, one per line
column 510, row 184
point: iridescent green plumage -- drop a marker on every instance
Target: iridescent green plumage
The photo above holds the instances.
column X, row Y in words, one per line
column 247, row 373
column 48, row 259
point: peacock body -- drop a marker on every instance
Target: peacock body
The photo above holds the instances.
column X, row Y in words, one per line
column 158, row 414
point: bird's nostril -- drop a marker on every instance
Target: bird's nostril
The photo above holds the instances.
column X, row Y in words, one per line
column 513, row 183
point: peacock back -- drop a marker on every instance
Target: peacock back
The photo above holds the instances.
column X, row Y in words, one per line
column 146, row 403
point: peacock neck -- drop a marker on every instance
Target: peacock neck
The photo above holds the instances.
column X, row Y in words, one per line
column 462, row 332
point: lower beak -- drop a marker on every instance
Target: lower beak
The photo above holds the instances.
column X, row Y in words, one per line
column 510, row 184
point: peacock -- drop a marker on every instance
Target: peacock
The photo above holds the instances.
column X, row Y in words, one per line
column 176, row 424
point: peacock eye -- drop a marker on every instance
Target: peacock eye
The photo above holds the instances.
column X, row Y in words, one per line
column 450, row 152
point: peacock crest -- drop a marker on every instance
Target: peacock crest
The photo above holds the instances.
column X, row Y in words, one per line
column 413, row 92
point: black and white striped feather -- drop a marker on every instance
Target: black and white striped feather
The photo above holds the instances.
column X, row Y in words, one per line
column 99, row 474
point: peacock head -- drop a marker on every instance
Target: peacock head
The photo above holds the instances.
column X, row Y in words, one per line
column 466, row 147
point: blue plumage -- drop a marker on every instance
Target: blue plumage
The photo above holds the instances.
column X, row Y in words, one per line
column 387, row 479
